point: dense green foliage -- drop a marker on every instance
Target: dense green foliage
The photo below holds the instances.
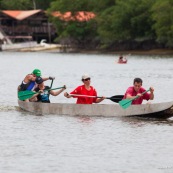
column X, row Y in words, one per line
column 126, row 20
column 24, row 4
column 119, row 21
column 163, row 25
column 16, row 4
column 74, row 32
column 115, row 21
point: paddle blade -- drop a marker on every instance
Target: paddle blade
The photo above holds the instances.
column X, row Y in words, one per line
column 125, row 103
column 116, row 98
column 23, row 95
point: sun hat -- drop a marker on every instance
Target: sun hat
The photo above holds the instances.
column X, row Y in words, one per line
column 36, row 72
column 39, row 80
column 85, row 76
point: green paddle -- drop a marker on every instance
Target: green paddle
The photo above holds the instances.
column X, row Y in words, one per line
column 127, row 102
column 23, row 95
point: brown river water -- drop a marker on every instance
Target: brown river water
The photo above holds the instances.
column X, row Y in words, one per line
column 63, row 144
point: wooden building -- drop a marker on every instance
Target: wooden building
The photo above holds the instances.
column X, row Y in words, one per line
column 24, row 25
column 21, row 26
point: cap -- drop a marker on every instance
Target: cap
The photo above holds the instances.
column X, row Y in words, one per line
column 39, row 80
column 36, row 72
column 85, row 76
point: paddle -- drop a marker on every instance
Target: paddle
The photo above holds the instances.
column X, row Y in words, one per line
column 115, row 98
column 23, row 95
column 51, row 86
column 127, row 102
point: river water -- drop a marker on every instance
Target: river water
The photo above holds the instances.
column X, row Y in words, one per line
column 56, row 143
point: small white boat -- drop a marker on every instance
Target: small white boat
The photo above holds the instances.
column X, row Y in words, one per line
column 156, row 110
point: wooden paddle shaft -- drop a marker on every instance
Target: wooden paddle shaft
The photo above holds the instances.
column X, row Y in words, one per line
column 78, row 95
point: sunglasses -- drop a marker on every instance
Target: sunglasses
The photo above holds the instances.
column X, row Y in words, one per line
column 86, row 79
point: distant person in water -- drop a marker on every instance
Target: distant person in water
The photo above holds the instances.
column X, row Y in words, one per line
column 136, row 90
column 43, row 94
column 122, row 59
column 29, row 82
column 85, row 89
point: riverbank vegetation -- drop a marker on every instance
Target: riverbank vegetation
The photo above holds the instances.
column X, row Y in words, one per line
column 117, row 25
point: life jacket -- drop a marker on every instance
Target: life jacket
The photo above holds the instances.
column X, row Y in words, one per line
column 27, row 86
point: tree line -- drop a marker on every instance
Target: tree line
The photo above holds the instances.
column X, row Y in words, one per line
column 121, row 24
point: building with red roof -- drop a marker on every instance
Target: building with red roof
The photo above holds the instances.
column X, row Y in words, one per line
column 34, row 24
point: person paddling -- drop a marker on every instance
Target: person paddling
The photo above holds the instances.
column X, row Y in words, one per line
column 85, row 89
column 137, row 90
column 122, row 59
column 29, row 81
column 44, row 92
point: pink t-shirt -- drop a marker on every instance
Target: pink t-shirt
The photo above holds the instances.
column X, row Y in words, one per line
column 81, row 90
column 132, row 92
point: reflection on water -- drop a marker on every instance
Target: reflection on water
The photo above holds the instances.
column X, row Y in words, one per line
column 142, row 121
column 63, row 144
column 56, row 143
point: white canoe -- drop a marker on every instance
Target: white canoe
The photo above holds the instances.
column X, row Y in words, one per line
column 158, row 110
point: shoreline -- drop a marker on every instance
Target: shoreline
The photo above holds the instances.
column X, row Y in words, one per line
column 86, row 51
column 132, row 52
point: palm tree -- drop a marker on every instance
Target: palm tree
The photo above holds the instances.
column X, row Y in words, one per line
column 34, row 4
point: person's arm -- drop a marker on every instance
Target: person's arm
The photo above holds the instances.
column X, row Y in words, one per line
column 129, row 93
column 34, row 97
column 75, row 91
column 48, row 78
column 55, row 93
column 32, row 78
column 129, row 96
column 98, row 100
column 67, row 95
column 29, row 78
column 151, row 93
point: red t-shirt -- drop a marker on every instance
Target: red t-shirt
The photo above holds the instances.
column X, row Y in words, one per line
column 81, row 90
column 139, row 100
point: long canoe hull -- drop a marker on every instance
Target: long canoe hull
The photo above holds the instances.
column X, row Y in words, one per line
column 158, row 110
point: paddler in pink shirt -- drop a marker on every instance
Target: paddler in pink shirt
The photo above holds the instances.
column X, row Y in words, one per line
column 137, row 90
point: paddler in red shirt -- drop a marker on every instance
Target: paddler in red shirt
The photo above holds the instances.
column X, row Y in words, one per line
column 136, row 90
column 85, row 90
